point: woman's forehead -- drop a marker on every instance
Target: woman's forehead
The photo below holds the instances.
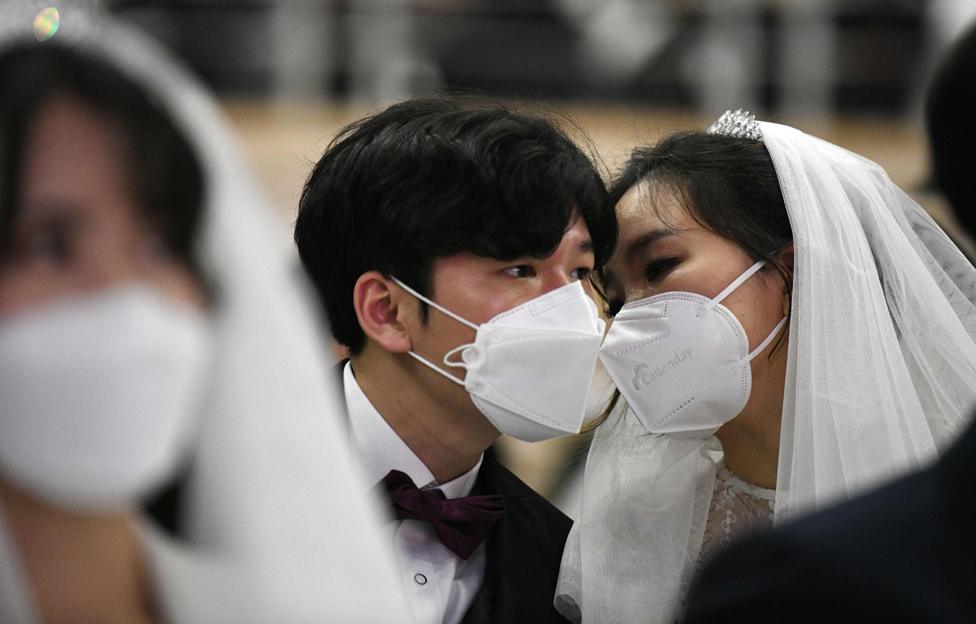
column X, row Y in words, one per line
column 649, row 206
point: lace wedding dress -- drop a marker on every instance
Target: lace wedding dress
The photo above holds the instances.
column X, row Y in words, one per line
column 737, row 507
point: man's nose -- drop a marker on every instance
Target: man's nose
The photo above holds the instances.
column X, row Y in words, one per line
column 557, row 279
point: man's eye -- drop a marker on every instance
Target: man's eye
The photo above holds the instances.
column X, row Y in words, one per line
column 657, row 268
column 520, row 270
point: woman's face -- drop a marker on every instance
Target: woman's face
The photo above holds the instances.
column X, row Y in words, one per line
column 662, row 248
column 78, row 227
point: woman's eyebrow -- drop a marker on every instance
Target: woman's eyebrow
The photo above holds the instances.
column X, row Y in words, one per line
column 646, row 239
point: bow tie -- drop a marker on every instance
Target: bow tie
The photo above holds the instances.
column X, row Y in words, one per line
column 461, row 524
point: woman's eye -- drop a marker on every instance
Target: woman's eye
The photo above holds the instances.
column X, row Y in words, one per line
column 657, row 268
column 520, row 271
column 581, row 273
column 53, row 240
column 52, row 245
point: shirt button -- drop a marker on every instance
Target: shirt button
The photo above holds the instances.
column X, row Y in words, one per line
column 419, row 579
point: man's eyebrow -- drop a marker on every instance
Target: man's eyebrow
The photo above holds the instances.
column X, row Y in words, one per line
column 644, row 240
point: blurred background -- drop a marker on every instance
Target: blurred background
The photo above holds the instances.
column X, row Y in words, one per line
column 292, row 72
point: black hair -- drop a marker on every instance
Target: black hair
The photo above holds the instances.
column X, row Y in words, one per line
column 165, row 175
column 951, row 126
column 727, row 184
column 434, row 177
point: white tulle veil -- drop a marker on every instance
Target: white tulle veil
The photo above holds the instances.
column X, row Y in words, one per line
column 278, row 524
column 881, row 374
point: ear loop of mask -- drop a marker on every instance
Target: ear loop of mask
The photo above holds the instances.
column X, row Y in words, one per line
column 447, row 355
column 731, row 288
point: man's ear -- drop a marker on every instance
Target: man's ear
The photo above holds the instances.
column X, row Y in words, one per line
column 376, row 300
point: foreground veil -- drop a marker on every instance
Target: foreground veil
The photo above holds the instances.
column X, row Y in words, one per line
column 881, row 374
column 277, row 525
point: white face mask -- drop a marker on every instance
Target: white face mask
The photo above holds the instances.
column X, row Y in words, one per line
column 99, row 396
column 682, row 360
column 529, row 368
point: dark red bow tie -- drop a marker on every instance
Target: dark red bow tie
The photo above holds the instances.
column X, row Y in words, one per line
column 461, row 524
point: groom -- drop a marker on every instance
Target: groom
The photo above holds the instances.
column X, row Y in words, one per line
column 479, row 210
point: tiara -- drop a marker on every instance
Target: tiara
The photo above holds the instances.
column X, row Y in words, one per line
column 739, row 124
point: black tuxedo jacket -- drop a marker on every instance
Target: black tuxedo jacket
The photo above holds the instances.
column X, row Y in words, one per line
column 523, row 552
column 904, row 553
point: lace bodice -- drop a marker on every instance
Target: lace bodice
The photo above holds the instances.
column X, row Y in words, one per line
column 736, row 506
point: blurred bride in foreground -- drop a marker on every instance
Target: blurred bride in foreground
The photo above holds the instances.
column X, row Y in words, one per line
column 156, row 354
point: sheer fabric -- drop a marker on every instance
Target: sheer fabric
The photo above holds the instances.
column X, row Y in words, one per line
column 279, row 526
column 736, row 507
column 881, row 374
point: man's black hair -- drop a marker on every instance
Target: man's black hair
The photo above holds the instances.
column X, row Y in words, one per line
column 435, row 177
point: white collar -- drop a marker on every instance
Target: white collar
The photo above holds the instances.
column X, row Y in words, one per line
column 381, row 450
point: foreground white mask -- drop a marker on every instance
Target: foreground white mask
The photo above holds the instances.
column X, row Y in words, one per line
column 682, row 360
column 529, row 368
column 99, row 396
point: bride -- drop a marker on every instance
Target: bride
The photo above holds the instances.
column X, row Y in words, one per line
column 789, row 329
column 151, row 331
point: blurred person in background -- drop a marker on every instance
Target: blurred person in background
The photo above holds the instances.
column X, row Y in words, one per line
column 905, row 552
column 452, row 245
column 153, row 347
column 789, row 329
column 951, row 129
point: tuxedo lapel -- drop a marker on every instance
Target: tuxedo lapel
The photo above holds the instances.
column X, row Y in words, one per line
column 523, row 553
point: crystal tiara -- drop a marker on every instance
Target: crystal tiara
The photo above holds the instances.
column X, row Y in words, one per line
column 739, row 124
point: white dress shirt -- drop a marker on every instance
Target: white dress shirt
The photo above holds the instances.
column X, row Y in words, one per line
column 439, row 585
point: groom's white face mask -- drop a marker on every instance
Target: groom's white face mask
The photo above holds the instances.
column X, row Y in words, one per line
column 528, row 369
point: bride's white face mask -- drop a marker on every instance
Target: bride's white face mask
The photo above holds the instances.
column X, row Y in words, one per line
column 100, row 395
column 682, row 360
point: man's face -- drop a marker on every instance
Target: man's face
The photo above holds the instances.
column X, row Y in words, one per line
column 478, row 289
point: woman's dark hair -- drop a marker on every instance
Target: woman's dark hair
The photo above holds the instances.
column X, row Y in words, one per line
column 727, row 184
column 435, row 177
column 166, row 177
